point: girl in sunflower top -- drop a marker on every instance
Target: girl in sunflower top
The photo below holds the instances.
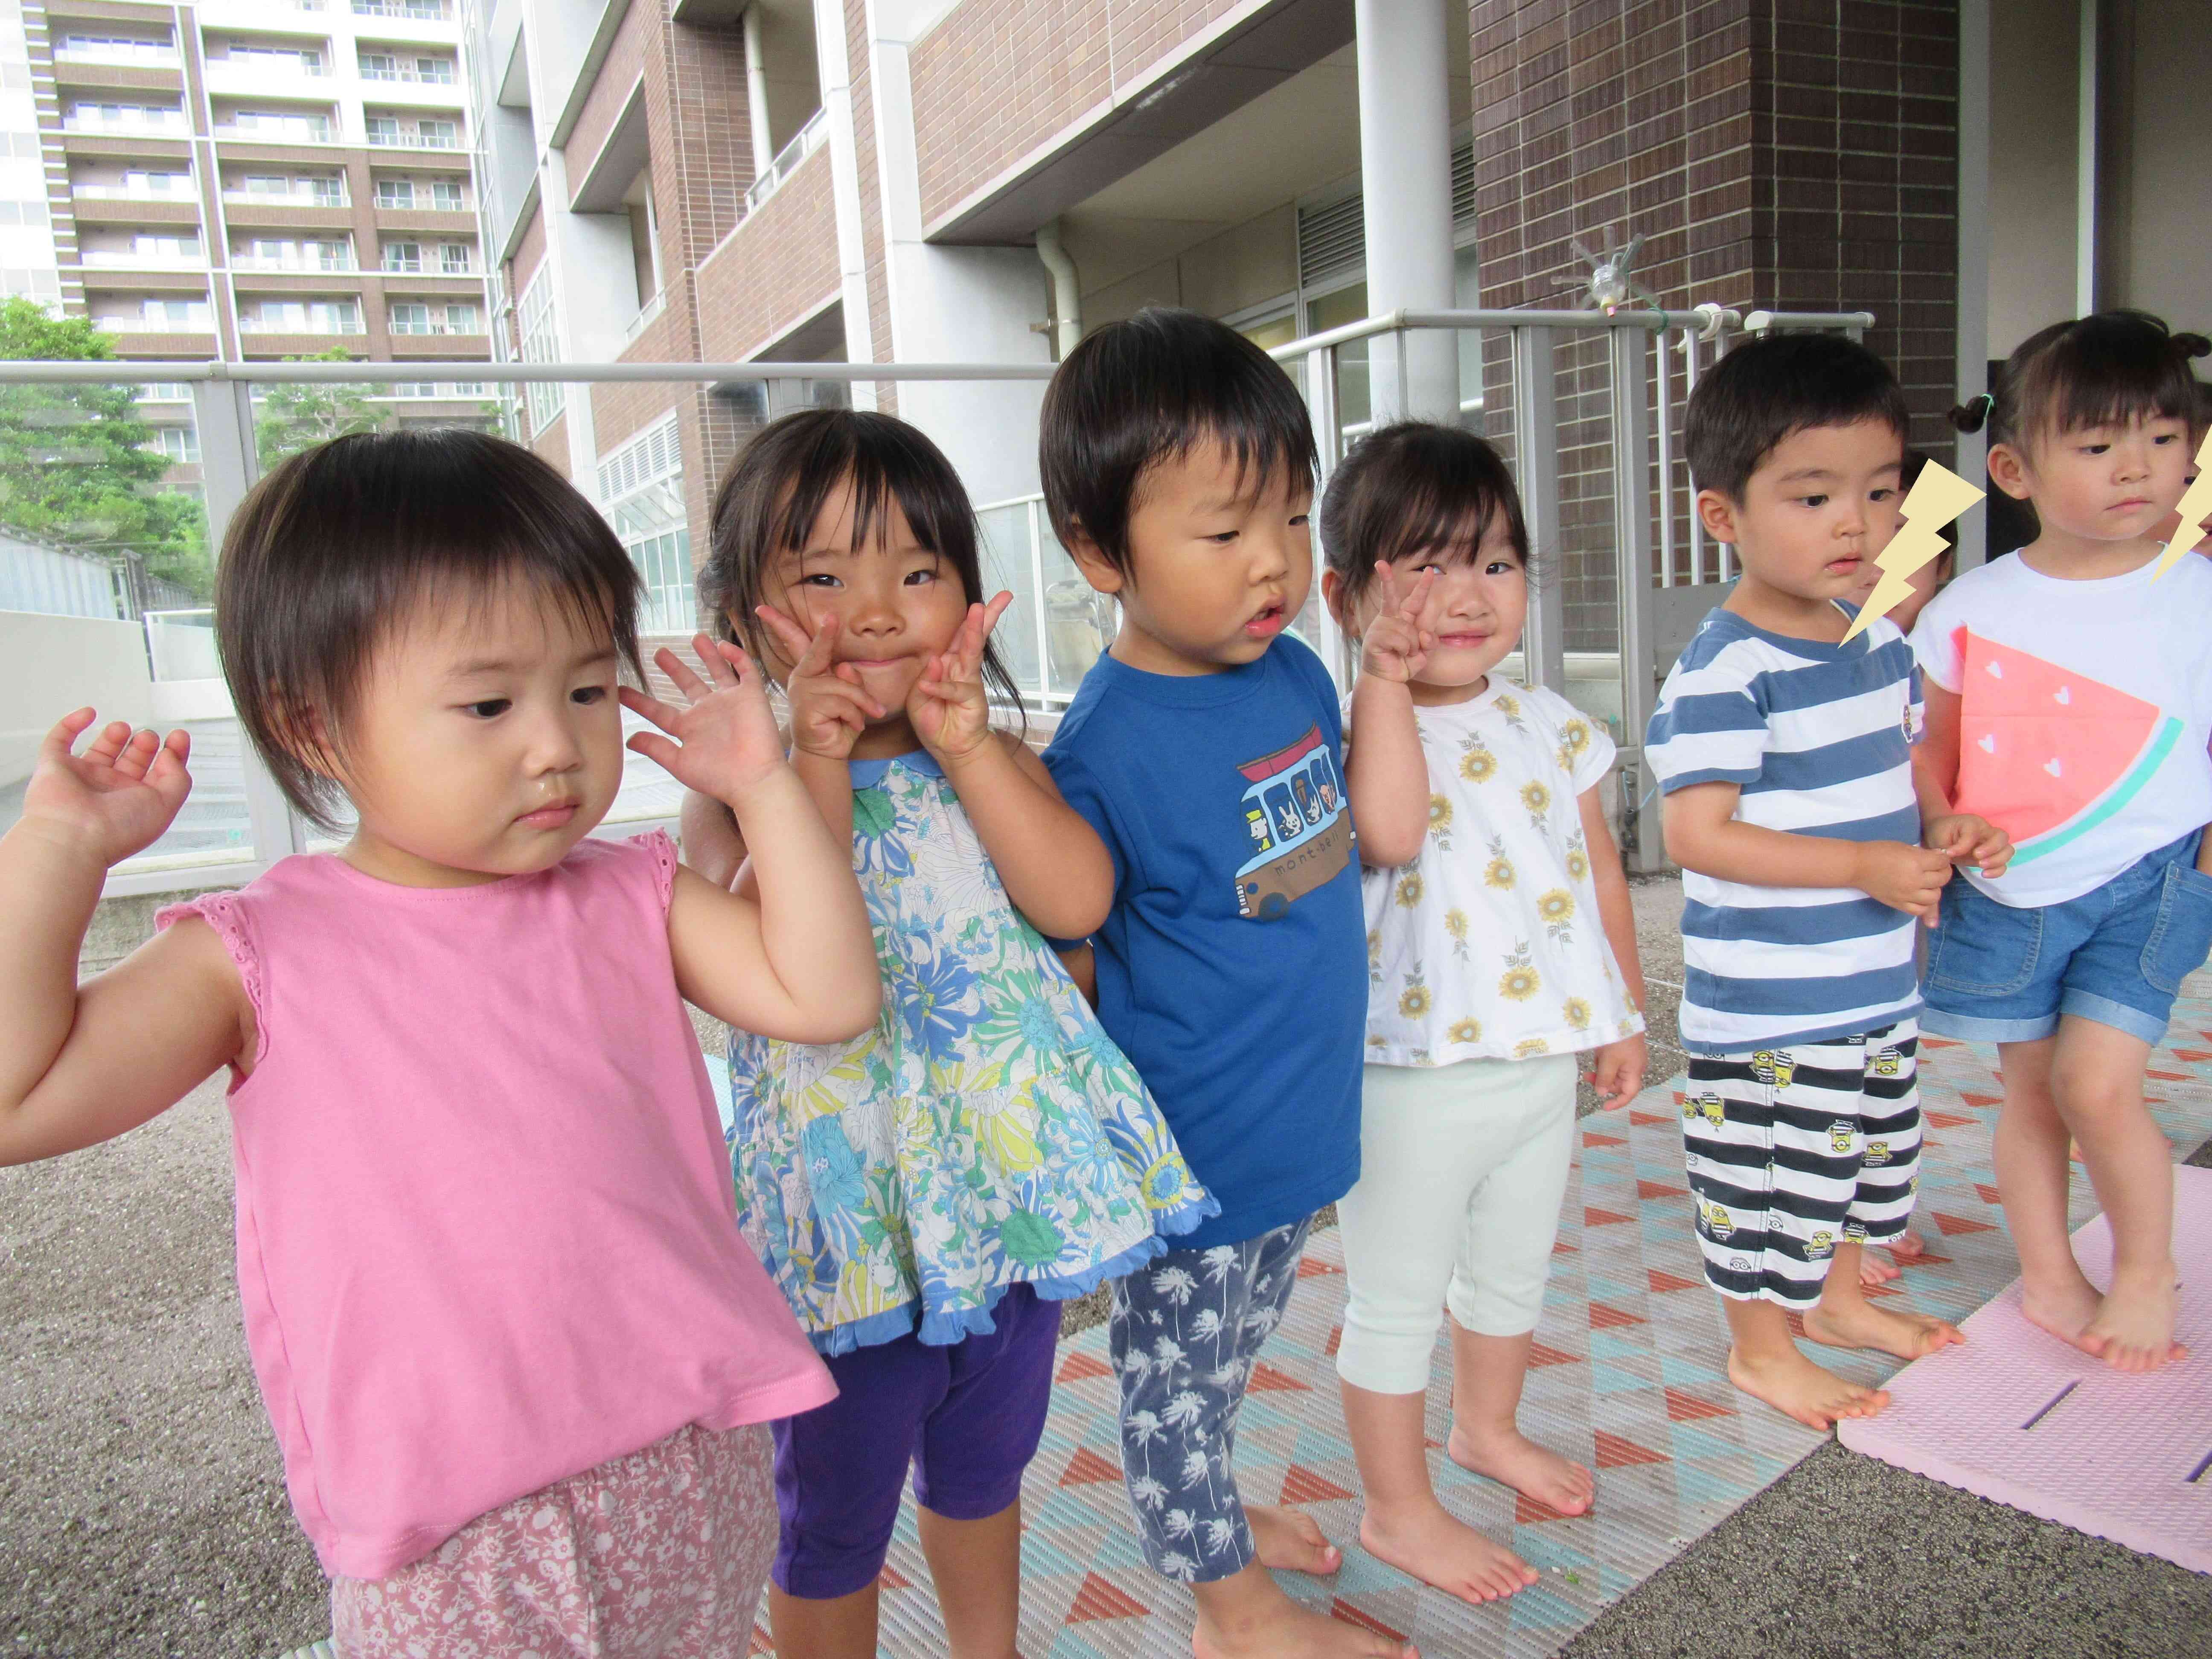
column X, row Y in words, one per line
column 1500, row 946
column 926, row 1194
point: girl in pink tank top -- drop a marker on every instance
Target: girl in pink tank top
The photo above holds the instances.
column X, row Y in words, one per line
column 517, row 1354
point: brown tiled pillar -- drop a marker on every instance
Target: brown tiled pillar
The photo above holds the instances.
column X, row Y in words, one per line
column 1795, row 154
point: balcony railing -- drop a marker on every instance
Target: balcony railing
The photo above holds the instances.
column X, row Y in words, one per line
column 804, row 143
column 413, row 329
column 202, row 324
column 118, row 52
column 646, row 314
column 442, row 75
column 410, row 139
column 250, row 325
column 127, row 258
column 271, row 132
column 188, row 192
column 307, row 262
column 169, row 122
column 418, row 11
column 298, row 195
column 282, row 63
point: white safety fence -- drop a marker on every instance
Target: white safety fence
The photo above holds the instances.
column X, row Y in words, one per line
column 1586, row 406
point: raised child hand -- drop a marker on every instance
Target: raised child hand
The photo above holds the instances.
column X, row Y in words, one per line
column 829, row 709
column 116, row 798
column 949, row 707
column 1967, row 839
column 726, row 735
column 1907, row 878
column 1396, row 643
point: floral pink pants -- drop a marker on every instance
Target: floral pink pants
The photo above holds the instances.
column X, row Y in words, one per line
column 658, row 1555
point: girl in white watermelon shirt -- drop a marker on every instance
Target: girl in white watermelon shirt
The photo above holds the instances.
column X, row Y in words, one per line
column 2069, row 702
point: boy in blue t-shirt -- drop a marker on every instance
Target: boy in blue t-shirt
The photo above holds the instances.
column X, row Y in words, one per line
column 1207, row 751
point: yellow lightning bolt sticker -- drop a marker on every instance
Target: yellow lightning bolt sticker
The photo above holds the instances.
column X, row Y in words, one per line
column 1937, row 496
column 2195, row 507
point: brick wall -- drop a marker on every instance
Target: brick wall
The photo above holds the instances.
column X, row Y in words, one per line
column 871, row 195
column 610, row 88
column 1799, row 154
column 997, row 79
column 775, row 270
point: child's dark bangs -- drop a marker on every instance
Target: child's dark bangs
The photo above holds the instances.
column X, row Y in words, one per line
column 2101, row 379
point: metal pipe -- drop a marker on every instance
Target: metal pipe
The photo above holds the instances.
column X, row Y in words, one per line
column 757, row 93
column 122, row 372
column 1066, row 292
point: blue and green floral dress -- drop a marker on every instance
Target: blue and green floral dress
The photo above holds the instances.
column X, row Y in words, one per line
column 987, row 1132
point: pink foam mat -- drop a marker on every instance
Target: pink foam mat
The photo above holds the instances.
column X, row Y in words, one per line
column 2018, row 1416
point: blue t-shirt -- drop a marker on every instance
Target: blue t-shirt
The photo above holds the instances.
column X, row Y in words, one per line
column 1233, row 967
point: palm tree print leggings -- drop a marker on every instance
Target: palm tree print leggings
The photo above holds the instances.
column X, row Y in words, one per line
column 1187, row 1330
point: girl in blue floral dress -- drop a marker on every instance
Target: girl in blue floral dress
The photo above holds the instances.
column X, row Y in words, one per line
column 928, row 1194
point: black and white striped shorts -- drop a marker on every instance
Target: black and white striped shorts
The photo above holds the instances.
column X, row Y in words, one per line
column 1792, row 1152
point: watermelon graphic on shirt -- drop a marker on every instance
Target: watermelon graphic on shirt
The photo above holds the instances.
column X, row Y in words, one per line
column 2046, row 754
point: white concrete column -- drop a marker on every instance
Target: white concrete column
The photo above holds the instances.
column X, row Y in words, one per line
column 833, row 69
column 1405, row 174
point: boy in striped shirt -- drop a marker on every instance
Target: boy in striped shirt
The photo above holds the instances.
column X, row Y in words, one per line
column 1786, row 758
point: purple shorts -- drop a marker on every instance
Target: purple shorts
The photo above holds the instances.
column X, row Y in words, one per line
column 967, row 1417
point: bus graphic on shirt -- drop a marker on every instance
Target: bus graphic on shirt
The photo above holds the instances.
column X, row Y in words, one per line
column 1294, row 824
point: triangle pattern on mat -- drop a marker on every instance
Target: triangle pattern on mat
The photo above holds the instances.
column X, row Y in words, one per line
column 1541, row 1355
column 1079, row 1365
column 1340, row 1609
column 1528, row 1510
column 1651, row 1189
column 1309, row 1269
column 891, row 1578
column 1645, row 1119
column 1684, row 1407
column 1098, row 1599
column 1302, row 1486
column 1088, row 1468
column 1663, row 1280
column 1592, row 1138
column 1593, row 1217
column 1616, row 1452
column 1955, row 1224
column 1266, row 1377
column 1603, row 1315
column 1971, row 1100
column 759, row 1644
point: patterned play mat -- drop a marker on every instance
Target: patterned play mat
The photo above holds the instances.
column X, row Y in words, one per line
column 1628, row 1378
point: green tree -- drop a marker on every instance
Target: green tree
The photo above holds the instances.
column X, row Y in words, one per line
column 74, row 464
column 291, row 418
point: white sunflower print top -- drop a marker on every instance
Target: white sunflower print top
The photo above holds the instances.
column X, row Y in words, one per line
column 985, row 1131
column 1488, row 946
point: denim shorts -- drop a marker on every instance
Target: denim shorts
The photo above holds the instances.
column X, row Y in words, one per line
column 1998, row 973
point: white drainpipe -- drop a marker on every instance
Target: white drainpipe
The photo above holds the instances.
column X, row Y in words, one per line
column 757, row 93
column 1067, row 296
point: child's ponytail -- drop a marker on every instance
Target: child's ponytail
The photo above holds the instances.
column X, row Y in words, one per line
column 1973, row 414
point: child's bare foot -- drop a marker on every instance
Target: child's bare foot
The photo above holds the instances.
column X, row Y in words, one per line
column 1907, row 1246
column 1427, row 1541
column 1258, row 1621
column 1530, row 1469
column 1873, row 1271
column 2132, row 1329
column 2064, row 1309
column 1797, row 1388
column 1853, row 1323
column 1290, row 1540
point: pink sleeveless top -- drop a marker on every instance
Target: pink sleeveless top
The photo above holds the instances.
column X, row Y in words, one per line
column 486, row 1231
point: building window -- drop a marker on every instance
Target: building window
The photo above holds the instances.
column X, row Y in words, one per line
column 303, row 317
column 438, row 135
column 309, row 128
column 445, row 196
column 641, row 484
column 456, row 258
column 178, row 443
column 411, row 318
column 395, row 192
column 540, row 345
column 403, row 256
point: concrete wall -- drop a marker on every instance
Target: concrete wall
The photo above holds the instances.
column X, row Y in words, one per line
column 2034, row 87
column 2170, row 187
column 51, row 664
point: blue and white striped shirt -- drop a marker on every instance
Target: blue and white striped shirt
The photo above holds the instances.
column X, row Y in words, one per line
column 1818, row 737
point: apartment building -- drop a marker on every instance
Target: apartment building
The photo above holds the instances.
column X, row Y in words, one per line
column 981, row 181
column 255, row 180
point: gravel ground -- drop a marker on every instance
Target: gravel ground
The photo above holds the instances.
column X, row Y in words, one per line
column 142, row 1514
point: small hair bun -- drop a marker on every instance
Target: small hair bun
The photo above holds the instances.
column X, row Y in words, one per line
column 1973, row 414
column 2186, row 346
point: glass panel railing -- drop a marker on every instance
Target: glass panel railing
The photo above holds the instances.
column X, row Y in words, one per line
column 105, row 580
